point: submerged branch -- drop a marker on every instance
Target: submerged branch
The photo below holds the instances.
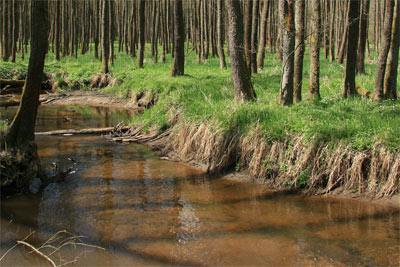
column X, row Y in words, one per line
column 83, row 131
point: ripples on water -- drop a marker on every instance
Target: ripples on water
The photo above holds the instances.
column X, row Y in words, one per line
column 145, row 211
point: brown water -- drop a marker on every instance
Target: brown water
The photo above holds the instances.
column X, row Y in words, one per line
column 145, row 211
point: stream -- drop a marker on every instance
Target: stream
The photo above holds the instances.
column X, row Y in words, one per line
column 147, row 211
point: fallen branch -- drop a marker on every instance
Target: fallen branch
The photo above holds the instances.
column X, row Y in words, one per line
column 37, row 252
column 57, row 242
column 12, row 83
column 139, row 138
column 7, row 104
column 18, row 90
column 83, row 131
column 16, row 244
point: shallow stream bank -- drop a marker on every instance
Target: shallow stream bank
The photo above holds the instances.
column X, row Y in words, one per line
column 292, row 164
column 147, row 211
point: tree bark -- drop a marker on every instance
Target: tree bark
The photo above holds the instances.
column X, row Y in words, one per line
column 247, row 31
column 313, row 90
column 57, row 30
column 105, row 41
column 352, row 41
column 263, row 34
column 141, row 29
column 286, row 24
column 22, row 129
column 300, row 49
column 220, row 33
column 254, row 37
column 390, row 82
column 240, row 73
column 362, row 40
column 178, row 68
column 383, row 55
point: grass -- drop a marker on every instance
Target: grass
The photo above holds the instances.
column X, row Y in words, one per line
column 205, row 94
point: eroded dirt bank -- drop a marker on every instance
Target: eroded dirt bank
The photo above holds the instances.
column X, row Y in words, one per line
column 291, row 165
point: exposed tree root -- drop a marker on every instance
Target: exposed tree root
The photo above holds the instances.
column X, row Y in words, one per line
column 100, row 81
column 18, row 168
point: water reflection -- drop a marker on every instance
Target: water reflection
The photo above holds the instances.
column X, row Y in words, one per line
column 145, row 211
column 73, row 117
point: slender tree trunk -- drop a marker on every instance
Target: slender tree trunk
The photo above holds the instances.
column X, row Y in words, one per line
column 254, row 37
column 57, row 29
column 141, row 29
column 332, row 30
column 22, row 129
column 15, row 28
column 313, row 90
column 362, row 40
column 178, row 68
column 383, row 55
column 300, row 49
column 240, row 73
column 263, row 35
column 247, row 31
column 112, row 30
column 286, row 10
column 220, row 33
column 105, row 45
column 345, row 38
column 5, row 31
column 352, row 41
column 390, row 82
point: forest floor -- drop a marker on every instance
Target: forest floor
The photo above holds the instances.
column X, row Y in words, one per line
column 333, row 145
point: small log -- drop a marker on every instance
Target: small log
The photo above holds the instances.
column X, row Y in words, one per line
column 18, row 90
column 11, row 83
column 7, row 104
column 82, row 131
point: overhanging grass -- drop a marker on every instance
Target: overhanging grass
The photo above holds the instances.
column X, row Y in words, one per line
column 205, row 94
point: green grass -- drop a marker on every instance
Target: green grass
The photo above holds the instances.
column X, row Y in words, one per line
column 205, row 94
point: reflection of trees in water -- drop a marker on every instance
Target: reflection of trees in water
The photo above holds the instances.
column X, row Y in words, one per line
column 107, row 197
column 159, row 206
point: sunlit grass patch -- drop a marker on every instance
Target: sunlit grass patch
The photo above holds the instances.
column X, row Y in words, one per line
column 205, row 94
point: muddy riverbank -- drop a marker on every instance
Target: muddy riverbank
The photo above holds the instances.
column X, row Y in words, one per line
column 289, row 165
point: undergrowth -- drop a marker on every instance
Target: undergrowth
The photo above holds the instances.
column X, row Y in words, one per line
column 205, row 94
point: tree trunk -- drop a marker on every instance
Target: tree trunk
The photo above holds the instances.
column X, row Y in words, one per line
column 263, row 34
column 220, row 33
column 286, row 23
column 254, row 37
column 383, row 55
column 352, row 41
column 57, row 30
column 247, row 31
column 313, row 90
column 300, row 49
column 240, row 73
column 105, row 45
column 178, row 68
column 362, row 40
column 141, row 29
column 22, row 129
column 5, row 33
column 390, row 82
column 332, row 31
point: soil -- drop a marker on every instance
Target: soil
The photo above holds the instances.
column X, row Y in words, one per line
column 90, row 98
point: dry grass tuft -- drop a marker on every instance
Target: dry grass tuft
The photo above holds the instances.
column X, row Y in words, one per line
column 318, row 168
